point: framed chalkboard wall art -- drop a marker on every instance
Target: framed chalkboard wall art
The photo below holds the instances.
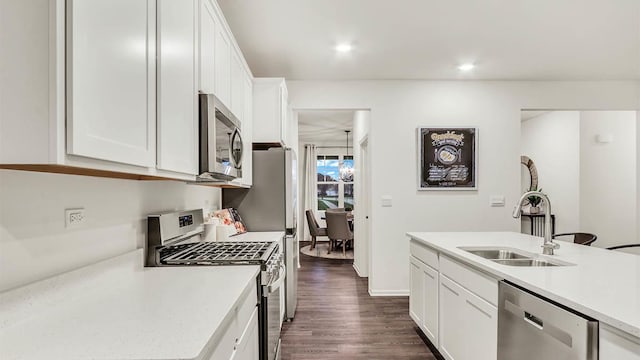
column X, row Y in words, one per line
column 447, row 158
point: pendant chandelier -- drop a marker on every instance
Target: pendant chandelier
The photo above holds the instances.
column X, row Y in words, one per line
column 346, row 169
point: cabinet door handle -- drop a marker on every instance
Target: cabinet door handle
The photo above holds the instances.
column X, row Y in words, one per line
column 479, row 309
column 431, row 276
column 450, row 289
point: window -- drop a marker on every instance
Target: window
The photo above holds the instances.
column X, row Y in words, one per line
column 335, row 181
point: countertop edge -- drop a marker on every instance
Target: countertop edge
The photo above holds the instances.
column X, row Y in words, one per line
column 632, row 330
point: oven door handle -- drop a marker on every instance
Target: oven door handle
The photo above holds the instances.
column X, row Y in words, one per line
column 273, row 285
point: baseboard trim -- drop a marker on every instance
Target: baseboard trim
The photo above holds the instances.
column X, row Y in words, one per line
column 388, row 292
column 355, row 267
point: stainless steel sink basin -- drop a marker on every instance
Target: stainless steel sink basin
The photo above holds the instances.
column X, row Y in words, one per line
column 497, row 254
column 525, row 262
column 512, row 257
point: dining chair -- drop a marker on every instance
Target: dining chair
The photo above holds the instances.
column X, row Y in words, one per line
column 626, row 246
column 580, row 238
column 314, row 229
column 338, row 230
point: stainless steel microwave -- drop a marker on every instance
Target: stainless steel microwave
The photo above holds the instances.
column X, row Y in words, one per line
column 220, row 141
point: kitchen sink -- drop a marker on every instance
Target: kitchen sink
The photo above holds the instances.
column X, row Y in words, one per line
column 525, row 262
column 512, row 257
column 497, row 254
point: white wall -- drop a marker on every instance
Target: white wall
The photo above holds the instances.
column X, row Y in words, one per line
column 361, row 119
column 608, row 183
column 34, row 243
column 552, row 141
column 398, row 107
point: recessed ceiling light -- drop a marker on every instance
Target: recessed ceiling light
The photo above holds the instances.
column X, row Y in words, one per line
column 344, row 48
column 466, row 67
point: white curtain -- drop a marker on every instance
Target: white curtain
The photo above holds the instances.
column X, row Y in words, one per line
column 310, row 194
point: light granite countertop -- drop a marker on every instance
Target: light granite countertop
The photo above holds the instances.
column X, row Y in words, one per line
column 118, row 309
column 602, row 284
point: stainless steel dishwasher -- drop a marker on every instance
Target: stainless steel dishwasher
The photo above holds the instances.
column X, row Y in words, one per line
column 531, row 327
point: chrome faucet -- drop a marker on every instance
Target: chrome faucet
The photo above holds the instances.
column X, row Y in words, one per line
column 548, row 246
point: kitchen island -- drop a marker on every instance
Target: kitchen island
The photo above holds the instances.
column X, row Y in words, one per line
column 118, row 309
column 601, row 284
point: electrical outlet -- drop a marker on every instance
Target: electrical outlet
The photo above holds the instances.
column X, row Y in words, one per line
column 73, row 217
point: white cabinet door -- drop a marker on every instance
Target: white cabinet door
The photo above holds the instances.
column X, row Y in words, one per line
column 223, row 65
column 177, row 93
column 247, row 132
column 416, row 290
column 111, row 89
column 225, row 348
column 248, row 345
column 430, row 303
column 207, row 38
column 616, row 345
column 284, row 115
column 468, row 324
column 270, row 111
column 482, row 328
column 452, row 323
column 237, row 86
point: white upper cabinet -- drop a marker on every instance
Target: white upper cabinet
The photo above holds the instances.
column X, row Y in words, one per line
column 207, row 39
column 111, row 77
column 270, row 102
column 115, row 85
column 237, row 86
column 247, row 132
column 177, row 115
column 223, row 65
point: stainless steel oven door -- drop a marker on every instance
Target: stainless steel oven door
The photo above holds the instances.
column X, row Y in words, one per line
column 272, row 294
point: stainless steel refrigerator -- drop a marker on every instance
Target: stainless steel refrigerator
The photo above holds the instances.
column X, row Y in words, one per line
column 270, row 205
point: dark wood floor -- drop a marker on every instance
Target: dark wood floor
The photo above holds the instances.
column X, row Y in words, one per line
column 337, row 319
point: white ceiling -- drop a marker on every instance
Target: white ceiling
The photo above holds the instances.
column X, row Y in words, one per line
column 427, row 39
column 325, row 126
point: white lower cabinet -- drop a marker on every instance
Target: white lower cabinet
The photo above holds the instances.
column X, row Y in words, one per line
column 248, row 344
column 431, row 300
column 468, row 324
column 423, row 302
column 416, row 302
column 615, row 345
column 238, row 336
column 456, row 319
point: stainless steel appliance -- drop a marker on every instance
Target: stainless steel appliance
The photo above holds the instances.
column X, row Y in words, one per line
column 220, row 141
column 173, row 239
column 531, row 327
column 270, row 205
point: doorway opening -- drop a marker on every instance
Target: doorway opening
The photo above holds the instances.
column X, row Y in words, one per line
column 334, row 192
column 587, row 163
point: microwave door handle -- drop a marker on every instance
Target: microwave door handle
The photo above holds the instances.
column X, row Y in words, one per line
column 236, row 164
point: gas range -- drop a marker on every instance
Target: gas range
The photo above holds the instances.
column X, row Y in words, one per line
column 217, row 253
column 264, row 254
column 173, row 239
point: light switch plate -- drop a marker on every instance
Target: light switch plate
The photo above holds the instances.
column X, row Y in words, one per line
column 496, row 201
column 386, row 201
